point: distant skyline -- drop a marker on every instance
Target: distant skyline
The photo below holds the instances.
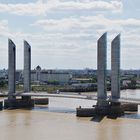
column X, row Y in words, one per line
column 64, row 33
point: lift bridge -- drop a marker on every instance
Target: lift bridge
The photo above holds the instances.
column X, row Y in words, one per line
column 105, row 104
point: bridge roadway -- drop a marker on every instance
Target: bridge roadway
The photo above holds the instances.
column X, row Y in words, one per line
column 75, row 96
column 60, row 95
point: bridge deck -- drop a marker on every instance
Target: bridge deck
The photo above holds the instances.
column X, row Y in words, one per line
column 76, row 96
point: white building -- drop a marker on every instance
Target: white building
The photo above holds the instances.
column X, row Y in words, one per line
column 39, row 75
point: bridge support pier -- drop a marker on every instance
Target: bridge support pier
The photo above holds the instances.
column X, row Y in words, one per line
column 115, row 68
column 11, row 69
column 115, row 75
column 24, row 102
column 27, row 70
column 41, row 101
column 101, row 72
column 1, row 105
column 110, row 110
column 116, row 109
column 130, row 107
column 18, row 103
column 104, row 107
column 102, row 104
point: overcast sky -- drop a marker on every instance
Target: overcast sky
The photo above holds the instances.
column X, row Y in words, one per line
column 64, row 33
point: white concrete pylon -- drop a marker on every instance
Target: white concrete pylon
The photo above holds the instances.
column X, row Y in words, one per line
column 27, row 67
column 11, row 68
column 115, row 67
column 101, row 69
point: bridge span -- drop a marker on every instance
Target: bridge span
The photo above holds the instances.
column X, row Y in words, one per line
column 76, row 96
column 86, row 97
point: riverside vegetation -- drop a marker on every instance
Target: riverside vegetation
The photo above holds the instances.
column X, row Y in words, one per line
column 84, row 84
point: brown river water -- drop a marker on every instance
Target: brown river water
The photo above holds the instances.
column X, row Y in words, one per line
column 59, row 122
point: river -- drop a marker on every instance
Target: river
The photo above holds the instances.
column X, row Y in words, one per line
column 58, row 122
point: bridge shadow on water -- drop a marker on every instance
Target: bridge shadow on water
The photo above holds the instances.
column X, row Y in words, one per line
column 97, row 118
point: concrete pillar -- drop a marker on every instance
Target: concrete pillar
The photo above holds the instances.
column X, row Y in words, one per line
column 101, row 70
column 12, row 102
column 27, row 67
column 11, row 69
column 115, row 67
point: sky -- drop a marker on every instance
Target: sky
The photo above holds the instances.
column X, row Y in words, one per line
column 63, row 34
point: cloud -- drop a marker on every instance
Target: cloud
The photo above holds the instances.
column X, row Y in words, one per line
column 86, row 5
column 37, row 8
column 70, row 38
column 81, row 31
column 86, row 24
column 42, row 8
column 4, row 30
column 78, row 35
